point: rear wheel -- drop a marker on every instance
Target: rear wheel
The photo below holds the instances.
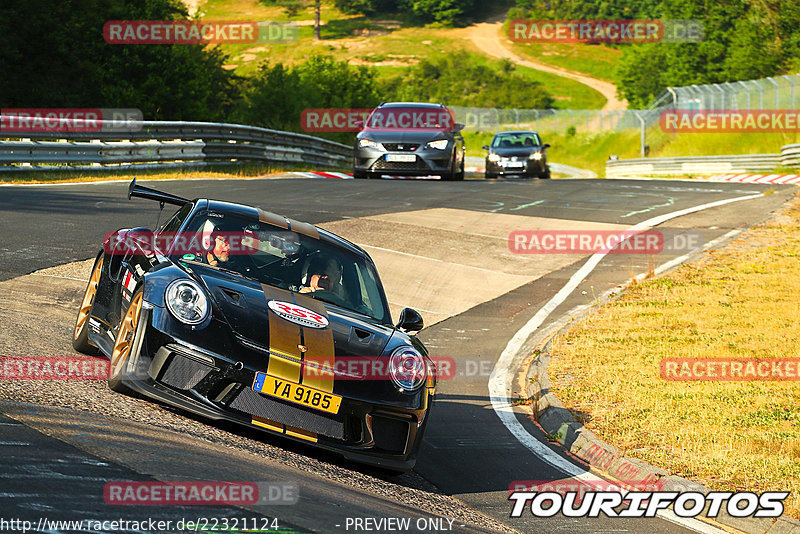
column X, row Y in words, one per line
column 124, row 343
column 80, row 334
column 359, row 175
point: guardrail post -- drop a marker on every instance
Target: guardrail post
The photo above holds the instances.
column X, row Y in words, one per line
column 642, row 135
column 777, row 95
column 791, row 82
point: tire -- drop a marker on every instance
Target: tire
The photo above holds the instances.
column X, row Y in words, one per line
column 546, row 174
column 460, row 174
column 360, row 175
column 490, row 175
column 80, row 333
column 124, row 341
column 451, row 174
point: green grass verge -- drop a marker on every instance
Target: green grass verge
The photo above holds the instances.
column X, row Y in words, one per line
column 597, row 61
column 592, row 151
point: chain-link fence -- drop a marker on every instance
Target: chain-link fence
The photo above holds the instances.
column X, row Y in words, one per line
column 552, row 121
column 779, row 92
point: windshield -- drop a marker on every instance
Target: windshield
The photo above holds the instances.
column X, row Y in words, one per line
column 281, row 258
column 516, row 140
column 411, row 117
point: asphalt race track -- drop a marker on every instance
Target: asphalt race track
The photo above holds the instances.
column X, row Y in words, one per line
column 440, row 247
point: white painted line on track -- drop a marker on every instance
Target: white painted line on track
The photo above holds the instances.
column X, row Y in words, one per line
column 506, row 367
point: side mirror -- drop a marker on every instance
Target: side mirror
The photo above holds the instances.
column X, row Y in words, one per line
column 458, row 127
column 485, row 147
column 410, row 320
column 546, row 145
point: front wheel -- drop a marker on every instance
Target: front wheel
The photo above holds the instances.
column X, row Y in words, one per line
column 360, row 175
column 80, row 334
column 123, row 344
column 460, row 174
column 546, row 174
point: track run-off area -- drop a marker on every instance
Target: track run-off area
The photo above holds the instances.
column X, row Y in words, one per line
column 441, row 248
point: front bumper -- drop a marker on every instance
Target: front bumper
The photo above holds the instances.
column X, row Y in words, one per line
column 165, row 367
column 427, row 161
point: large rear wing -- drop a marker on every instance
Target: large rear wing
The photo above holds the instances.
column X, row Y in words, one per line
column 135, row 190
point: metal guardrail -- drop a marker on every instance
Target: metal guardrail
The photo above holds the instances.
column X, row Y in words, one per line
column 165, row 144
column 790, row 155
column 695, row 165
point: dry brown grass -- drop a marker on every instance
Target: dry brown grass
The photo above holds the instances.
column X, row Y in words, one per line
column 222, row 172
column 740, row 301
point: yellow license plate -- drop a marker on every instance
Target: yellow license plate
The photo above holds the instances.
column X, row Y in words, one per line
column 297, row 393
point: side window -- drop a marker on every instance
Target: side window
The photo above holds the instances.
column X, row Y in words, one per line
column 174, row 224
column 365, row 297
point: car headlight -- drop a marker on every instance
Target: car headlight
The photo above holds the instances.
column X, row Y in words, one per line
column 536, row 155
column 369, row 143
column 494, row 157
column 441, row 144
column 407, row 368
column 187, row 301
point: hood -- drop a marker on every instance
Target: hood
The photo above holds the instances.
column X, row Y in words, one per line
column 244, row 305
column 404, row 136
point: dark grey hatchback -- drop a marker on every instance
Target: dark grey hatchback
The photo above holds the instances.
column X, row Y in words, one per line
column 519, row 152
column 410, row 139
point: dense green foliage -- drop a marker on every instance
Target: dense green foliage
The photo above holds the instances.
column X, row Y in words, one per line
column 59, row 59
column 458, row 80
column 447, row 12
column 277, row 95
column 744, row 40
column 53, row 55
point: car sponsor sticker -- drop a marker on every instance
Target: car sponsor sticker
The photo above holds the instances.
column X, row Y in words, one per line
column 297, row 393
column 298, row 314
column 128, row 283
column 94, row 325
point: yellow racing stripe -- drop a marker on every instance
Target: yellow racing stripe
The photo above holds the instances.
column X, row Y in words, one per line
column 284, row 339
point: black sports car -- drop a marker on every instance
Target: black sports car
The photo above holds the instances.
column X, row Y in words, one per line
column 235, row 313
column 517, row 153
column 410, row 139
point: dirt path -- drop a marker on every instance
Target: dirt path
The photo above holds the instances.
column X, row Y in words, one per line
column 193, row 6
column 486, row 37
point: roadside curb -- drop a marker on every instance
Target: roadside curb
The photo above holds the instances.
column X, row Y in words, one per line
column 560, row 425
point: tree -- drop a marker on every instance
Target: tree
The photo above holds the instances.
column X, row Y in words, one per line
column 293, row 7
column 278, row 94
column 59, row 58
